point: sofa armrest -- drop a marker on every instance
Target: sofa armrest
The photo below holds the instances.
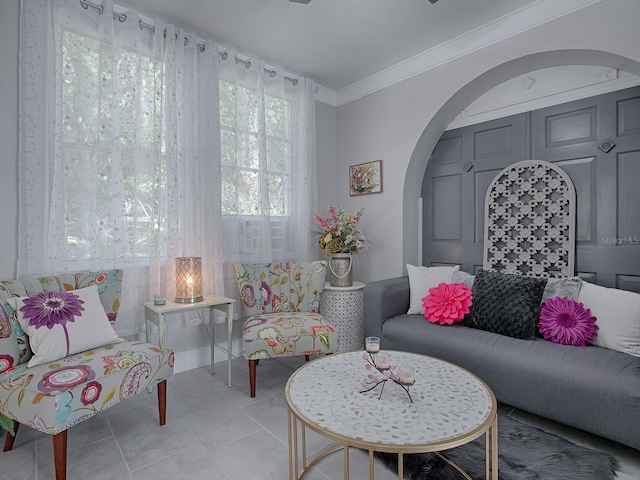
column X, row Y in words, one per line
column 384, row 299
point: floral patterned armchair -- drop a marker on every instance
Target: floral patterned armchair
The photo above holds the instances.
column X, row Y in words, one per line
column 52, row 393
column 282, row 301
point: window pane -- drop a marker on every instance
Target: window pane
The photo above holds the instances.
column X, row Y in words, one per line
column 278, row 194
column 278, row 154
column 254, row 183
column 116, row 213
column 229, row 191
column 247, row 109
column 248, row 193
column 228, row 147
column 277, row 117
column 227, row 105
column 248, row 152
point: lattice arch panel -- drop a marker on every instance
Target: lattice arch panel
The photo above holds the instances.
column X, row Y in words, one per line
column 530, row 221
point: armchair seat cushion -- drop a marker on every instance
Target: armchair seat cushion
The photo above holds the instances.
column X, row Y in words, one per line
column 54, row 396
column 287, row 334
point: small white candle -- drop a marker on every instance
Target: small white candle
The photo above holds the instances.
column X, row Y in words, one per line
column 372, row 344
column 373, row 347
column 406, row 376
column 382, row 361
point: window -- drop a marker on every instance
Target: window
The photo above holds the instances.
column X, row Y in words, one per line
column 256, row 172
column 254, row 182
column 119, row 151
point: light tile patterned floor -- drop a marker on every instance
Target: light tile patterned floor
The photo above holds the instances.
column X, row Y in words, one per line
column 213, row 432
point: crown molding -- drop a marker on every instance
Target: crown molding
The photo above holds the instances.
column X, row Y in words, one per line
column 499, row 30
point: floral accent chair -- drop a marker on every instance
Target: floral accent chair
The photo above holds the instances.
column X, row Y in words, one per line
column 61, row 361
column 282, row 301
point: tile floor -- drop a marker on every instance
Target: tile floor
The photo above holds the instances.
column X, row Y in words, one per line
column 215, row 433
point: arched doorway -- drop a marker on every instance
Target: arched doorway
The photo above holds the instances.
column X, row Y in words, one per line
column 463, row 97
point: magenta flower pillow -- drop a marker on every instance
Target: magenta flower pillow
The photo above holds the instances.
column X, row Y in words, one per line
column 63, row 323
column 566, row 321
column 447, row 303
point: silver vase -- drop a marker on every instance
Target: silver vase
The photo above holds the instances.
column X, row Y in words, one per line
column 341, row 270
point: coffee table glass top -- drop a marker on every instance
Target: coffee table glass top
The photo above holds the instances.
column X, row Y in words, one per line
column 448, row 401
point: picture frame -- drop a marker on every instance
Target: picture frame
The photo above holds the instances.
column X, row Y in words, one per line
column 365, row 178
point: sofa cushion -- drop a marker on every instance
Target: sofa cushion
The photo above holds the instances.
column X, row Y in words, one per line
column 54, row 396
column 564, row 320
column 505, row 303
column 618, row 317
column 286, row 334
column 421, row 279
column 61, row 323
column 562, row 287
column 447, row 303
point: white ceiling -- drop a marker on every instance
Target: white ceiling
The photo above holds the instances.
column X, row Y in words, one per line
column 336, row 42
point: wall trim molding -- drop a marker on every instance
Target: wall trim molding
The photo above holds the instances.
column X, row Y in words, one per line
column 563, row 93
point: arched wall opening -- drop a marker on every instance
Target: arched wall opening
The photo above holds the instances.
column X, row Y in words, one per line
column 463, row 97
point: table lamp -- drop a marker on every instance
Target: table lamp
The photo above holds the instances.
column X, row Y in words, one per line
column 188, row 279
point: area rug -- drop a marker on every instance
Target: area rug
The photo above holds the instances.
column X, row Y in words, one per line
column 524, row 453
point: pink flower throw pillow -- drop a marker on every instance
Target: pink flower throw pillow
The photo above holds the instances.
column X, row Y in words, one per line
column 564, row 320
column 447, row 303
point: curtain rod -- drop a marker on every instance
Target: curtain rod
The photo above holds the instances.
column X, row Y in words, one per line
column 223, row 55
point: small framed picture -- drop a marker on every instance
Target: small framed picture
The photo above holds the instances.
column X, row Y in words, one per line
column 365, row 178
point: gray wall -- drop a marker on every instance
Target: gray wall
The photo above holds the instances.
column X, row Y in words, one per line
column 9, row 21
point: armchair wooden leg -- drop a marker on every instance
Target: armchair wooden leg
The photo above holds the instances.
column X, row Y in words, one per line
column 252, row 376
column 162, row 401
column 60, row 454
column 8, row 441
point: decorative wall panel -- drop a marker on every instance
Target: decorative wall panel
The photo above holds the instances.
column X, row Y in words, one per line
column 629, row 116
column 572, row 127
column 628, row 198
column 497, row 141
column 448, row 150
column 530, row 221
column 446, row 199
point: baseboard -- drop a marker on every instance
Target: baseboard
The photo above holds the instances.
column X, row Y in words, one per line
column 200, row 357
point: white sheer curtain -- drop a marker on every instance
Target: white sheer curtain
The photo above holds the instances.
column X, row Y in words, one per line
column 268, row 158
column 119, row 149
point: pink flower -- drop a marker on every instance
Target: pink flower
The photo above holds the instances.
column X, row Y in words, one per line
column 447, row 303
column 566, row 321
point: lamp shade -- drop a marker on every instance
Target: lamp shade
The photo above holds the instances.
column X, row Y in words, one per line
column 188, row 279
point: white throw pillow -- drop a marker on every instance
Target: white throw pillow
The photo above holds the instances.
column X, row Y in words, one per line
column 617, row 315
column 421, row 279
column 60, row 324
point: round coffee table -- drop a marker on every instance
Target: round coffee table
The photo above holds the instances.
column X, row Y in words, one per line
column 445, row 408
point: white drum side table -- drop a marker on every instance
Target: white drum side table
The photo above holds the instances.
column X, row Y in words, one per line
column 343, row 307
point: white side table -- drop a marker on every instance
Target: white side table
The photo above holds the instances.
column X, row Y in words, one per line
column 156, row 313
column 343, row 307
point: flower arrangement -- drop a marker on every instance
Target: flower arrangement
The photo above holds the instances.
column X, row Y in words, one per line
column 340, row 232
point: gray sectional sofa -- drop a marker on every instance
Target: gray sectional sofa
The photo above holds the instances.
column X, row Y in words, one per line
column 591, row 388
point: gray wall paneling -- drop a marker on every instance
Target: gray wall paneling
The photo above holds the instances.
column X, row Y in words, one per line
column 607, row 183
